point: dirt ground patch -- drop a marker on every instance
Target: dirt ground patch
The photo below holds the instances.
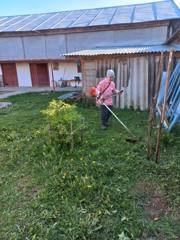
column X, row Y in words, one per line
column 156, row 207
column 155, row 202
column 29, row 192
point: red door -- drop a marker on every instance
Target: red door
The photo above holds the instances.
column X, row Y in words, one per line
column 9, row 75
column 39, row 74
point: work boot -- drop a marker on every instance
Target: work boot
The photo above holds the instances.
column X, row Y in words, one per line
column 103, row 127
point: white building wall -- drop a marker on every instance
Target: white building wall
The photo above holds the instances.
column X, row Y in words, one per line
column 65, row 71
column 50, row 67
column 24, row 76
column 1, row 77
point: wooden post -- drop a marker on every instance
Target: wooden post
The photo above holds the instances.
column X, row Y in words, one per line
column 97, row 72
column 163, row 107
column 149, row 140
column 152, row 108
column 52, row 78
column 118, row 79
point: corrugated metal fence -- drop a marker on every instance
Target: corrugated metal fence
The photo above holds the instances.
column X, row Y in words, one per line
column 136, row 74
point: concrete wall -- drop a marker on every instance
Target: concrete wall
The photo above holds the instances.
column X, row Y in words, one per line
column 53, row 46
column 23, row 74
column 148, row 36
column 11, row 48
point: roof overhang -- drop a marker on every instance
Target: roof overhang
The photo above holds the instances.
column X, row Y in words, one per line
column 121, row 50
column 112, row 27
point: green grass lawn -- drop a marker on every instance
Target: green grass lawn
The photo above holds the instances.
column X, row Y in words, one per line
column 105, row 189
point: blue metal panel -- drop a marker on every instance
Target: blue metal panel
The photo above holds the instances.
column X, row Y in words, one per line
column 123, row 15
column 154, row 11
column 38, row 20
column 104, row 17
column 165, row 10
column 49, row 23
column 3, row 19
column 18, row 24
column 69, row 19
column 10, row 22
column 147, row 11
column 172, row 111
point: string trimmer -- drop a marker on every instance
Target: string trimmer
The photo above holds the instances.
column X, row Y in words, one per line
column 132, row 140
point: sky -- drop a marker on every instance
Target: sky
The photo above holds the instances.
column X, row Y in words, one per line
column 20, row 7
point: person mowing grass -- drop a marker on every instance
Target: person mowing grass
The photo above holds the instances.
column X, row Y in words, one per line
column 105, row 90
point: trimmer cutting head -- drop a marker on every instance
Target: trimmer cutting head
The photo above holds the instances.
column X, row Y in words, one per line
column 131, row 140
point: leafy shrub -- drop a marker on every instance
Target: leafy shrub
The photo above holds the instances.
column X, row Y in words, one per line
column 65, row 124
column 167, row 139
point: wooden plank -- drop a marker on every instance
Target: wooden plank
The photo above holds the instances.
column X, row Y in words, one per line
column 118, row 82
column 97, row 67
column 165, row 118
column 89, row 69
column 164, row 107
column 152, row 107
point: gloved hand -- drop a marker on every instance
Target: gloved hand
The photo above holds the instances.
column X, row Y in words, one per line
column 121, row 91
column 99, row 100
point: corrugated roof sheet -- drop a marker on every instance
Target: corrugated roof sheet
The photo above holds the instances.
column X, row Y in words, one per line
column 162, row 10
column 125, row 50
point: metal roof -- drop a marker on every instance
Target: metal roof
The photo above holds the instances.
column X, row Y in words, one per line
column 124, row 50
column 162, row 10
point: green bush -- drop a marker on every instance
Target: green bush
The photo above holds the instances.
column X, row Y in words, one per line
column 65, row 124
